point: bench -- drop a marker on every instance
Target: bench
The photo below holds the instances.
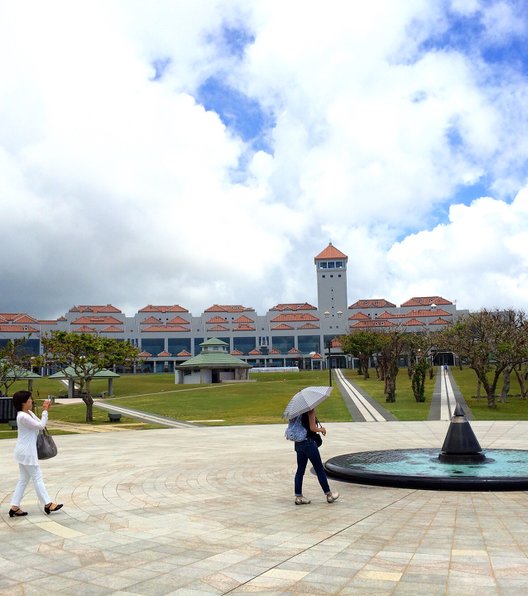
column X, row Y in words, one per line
column 114, row 417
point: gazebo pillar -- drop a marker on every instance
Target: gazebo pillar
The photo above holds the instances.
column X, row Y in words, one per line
column 110, row 387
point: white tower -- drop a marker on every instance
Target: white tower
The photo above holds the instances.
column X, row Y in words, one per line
column 331, row 265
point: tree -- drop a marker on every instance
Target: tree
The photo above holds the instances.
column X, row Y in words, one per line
column 418, row 346
column 86, row 354
column 14, row 363
column 363, row 345
column 490, row 342
column 392, row 346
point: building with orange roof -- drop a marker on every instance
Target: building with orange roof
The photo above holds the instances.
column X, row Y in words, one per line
column 288, row 334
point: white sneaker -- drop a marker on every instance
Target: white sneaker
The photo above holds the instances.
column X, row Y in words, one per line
column 302, row 501
column 331, row 497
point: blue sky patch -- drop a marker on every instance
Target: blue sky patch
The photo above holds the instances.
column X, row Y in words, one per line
column 160, row 65
column 240, row 113
column 236, row 40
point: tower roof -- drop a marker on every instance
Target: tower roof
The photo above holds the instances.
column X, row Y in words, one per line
column 330, row 252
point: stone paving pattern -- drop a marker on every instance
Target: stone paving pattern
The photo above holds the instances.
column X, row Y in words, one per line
column 211, row 511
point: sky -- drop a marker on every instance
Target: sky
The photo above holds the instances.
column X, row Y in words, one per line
column 197, row 153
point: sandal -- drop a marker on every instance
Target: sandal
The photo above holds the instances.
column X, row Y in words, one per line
column 52, row 507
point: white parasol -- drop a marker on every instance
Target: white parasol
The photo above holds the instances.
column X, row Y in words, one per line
column 305, row 400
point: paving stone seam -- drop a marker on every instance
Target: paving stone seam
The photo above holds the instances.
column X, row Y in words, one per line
column 323, row 540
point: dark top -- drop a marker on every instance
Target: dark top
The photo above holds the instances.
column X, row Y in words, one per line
column 305, row 421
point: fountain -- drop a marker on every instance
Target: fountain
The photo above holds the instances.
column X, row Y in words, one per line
column 460, row 465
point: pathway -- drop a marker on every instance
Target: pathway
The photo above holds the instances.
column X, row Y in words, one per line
column 143, row 416
column 209, row 511
column 364, row 408
column 446, row 396
column 361, row 406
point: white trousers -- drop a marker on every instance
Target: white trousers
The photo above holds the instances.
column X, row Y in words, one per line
column 35, row 473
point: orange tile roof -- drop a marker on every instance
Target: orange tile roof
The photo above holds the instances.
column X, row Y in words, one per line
column 316, row 356
column 163, row 309
column 150, row 321
column 244, row 327
column 330, row 252
column 294, row 306
column 95, row 309
column 373, row 303
column 218, row 328
column 335, row 343
column 236, row 353
column 282, row 327
column 294, row 351
column 184, row 353
column 359, row 316
column 164, row 329
column 10, row 328
column 274, row 351
column 164, row 354
column 49, row 322
column 427, row 313
column 85, row 329
column 440, row 321
column 144, row 354
column 255, row 352
column 97, row 321
column 112, row 329
column 229, row 308
column 414, row 323
column 309, row 326
column 178, row 321
column 426, row 301
column 18, row 317
column 243, row 319
column 217, row 319
column 371, row 324
column 294, row 317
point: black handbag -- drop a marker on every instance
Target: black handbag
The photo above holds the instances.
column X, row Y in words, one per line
column 317, row 436
column 46, row 447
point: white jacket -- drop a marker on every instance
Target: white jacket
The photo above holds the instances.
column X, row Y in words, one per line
column 29, row 426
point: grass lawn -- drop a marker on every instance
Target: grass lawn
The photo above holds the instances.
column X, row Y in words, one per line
column 259, row 402
column 405, row 407
column 513, row 409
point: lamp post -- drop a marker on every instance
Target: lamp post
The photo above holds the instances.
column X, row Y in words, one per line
column 329, row 363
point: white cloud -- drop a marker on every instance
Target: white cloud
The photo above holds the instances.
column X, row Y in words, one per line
column 479, row 256
column 121, row 189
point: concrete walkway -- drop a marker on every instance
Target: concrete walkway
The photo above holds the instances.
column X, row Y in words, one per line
column 210, row 511
column 361, row 406
column 143, row 416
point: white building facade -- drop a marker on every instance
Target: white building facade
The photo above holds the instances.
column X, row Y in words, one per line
column 295, row 334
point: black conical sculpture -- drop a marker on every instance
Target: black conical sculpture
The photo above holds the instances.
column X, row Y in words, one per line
column 460, row 444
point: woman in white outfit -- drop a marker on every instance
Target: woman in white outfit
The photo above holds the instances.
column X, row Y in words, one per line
column 29, row 426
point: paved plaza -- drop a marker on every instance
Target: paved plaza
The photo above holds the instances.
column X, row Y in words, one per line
column 210, row 511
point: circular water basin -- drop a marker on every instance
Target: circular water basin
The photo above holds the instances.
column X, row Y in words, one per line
column 502, row 469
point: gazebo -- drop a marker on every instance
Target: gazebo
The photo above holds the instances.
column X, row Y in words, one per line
column 19, row 373
column 71, row 375
column 214, row 364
